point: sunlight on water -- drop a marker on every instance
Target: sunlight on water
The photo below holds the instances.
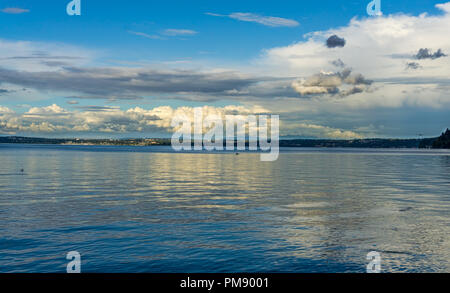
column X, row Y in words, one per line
column 150, row 210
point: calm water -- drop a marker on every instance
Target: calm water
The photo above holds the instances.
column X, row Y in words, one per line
column 131, row 209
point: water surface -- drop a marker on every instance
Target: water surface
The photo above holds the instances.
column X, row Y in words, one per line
column 147, row 209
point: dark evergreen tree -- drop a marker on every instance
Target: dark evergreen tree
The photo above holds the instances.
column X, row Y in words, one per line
column 443, row 142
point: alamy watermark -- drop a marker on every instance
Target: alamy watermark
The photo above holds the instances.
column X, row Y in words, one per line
column 195, row 132
column 374, row 265
column 374, row 8
column 74, row 7
column 74, row 266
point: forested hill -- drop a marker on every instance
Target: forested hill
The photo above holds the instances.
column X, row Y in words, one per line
column 443, row 142
column 325, row 143
column 437, row 142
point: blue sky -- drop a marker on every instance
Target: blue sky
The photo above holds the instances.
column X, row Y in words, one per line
column 262, row 55
column 105, row 26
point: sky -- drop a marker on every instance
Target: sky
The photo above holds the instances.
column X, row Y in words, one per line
column 126, row 68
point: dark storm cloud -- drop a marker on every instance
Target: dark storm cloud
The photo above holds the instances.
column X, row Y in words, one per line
column 47, row 59
column 97, row 108
column 335, row 41
column 342, row 83
column 357, row 79
column 111, row 97
column 113, row 83
column 352, row 91
column 42, row 57
column 425, row 53
column 412, row 65
column 338, row 63
column 270, row 89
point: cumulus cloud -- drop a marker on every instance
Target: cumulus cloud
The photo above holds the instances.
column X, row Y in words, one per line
column 370, row 46
column 427, row 54
column 444, row 7
column 53, row 110
column 335, row 41
column 343, row 83
column 5, row 110
column 103, row 119
column 271, row 21
column 111, row 120
column 320, row 131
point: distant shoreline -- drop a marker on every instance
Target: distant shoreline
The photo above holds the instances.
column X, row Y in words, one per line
column 307, row 143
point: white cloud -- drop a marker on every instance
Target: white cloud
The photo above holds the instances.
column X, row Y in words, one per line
column 148, row 36
column 379, row 48
column 94, row 119
column 371, row 43
column 444, row 7
column 42, row 56
column 46, row 111
column 271, row 21
column 179, row 32
column 165, row 34
column 54, row 119
column 14, row 10
column 314, row 130
column 5, row 110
